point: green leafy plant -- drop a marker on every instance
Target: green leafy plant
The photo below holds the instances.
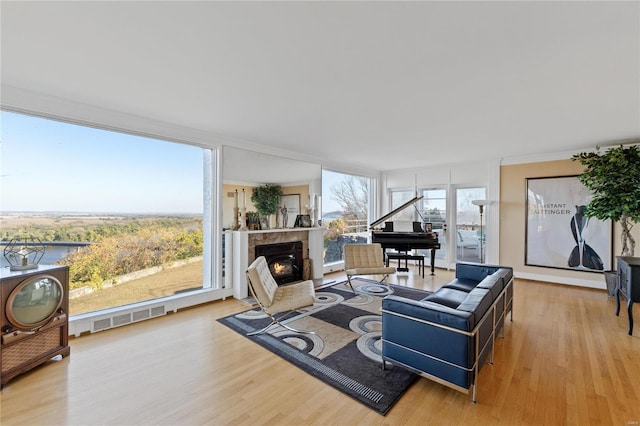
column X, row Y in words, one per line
column 266, row 198
column 122, row 254
column 613, row 177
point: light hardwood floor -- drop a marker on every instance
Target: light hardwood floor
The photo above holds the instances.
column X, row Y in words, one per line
column 566, row 359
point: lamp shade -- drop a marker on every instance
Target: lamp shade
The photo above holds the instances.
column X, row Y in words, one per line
column 24, row 253
column 481, row 202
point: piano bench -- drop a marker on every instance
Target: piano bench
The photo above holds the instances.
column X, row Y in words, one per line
column 406, row 257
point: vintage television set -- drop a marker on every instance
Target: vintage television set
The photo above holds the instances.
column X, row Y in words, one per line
column 34, row 323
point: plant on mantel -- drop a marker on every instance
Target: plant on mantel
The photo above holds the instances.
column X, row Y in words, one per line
column 613, row 177
column 266, row 198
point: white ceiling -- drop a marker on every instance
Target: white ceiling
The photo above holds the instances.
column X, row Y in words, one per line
column 375, row 85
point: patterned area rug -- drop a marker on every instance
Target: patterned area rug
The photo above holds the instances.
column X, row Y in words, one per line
column 345, row 351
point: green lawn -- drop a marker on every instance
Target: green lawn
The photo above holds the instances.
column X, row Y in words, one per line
column 164, row 283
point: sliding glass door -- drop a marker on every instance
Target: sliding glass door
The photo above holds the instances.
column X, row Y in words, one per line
column 470, row 230
column 457, row 221
column 433, row 208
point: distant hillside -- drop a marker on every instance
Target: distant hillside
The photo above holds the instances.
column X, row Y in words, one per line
column 332, row 215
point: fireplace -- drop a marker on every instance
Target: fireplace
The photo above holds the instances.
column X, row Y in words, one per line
column 284, row 259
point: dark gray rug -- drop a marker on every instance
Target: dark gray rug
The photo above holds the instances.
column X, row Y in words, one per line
column 345, row 351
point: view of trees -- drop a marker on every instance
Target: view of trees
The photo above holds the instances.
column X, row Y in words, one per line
column 118, row 245
column 352, row 195
column 51, row 229
column 126, row 253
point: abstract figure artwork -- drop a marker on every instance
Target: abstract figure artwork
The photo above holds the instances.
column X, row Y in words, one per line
column 582, row 256
column 558, row 232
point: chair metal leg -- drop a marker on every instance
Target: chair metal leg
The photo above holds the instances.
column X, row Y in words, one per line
column 275, row 321
column 379, row 282
column 386, row 284
column 351, row 285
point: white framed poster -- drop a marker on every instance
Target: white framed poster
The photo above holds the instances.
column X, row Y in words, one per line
column 558, row 233
column 289, row 209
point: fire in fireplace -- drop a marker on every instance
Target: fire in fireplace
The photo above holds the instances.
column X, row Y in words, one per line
column 284, row 259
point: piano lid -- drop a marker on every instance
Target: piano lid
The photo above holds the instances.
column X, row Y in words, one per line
column 394, row 211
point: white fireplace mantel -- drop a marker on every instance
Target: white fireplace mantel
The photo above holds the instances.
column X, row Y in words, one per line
column 241, row 253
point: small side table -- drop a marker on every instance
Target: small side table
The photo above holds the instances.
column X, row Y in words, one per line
column 628, row 284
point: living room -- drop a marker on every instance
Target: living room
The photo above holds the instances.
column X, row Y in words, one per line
column 514, row 89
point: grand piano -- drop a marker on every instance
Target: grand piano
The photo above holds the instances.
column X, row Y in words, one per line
column 404, row 242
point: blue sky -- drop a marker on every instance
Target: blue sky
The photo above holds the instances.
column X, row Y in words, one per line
column 47, row 165
column 330, row 179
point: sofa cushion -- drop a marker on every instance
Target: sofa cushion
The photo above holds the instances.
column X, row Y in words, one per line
column 477, row 303
column 428, row 311
column 475, row 271
column 449, row 297
column 462, row 284
column 507, row 274
column 471, row 271
column 494, row 283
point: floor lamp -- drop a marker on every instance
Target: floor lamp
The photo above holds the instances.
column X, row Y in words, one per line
column 481, row 204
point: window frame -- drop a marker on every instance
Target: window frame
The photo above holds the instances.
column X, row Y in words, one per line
column 214, row 287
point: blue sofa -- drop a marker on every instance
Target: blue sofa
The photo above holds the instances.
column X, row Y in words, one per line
column 448, row 335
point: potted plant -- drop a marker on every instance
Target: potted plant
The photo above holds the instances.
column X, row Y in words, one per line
column 613, row 177
column 266, row 198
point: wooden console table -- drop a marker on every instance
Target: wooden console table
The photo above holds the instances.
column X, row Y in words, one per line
column 628, row 284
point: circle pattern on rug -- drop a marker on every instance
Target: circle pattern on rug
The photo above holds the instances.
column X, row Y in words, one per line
column 308, row 343
column 366, row 324
column 375, row 289
column 359, row 300
column 370, row 345
column 326, row 298
column 251, row 315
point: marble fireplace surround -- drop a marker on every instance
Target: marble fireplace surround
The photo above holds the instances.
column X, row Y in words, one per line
column 244, row 243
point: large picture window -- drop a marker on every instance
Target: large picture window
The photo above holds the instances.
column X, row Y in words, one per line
column 345, row 207
column 124, row 212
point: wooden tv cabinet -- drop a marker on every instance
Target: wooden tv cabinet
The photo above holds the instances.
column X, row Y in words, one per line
column 34, row 322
